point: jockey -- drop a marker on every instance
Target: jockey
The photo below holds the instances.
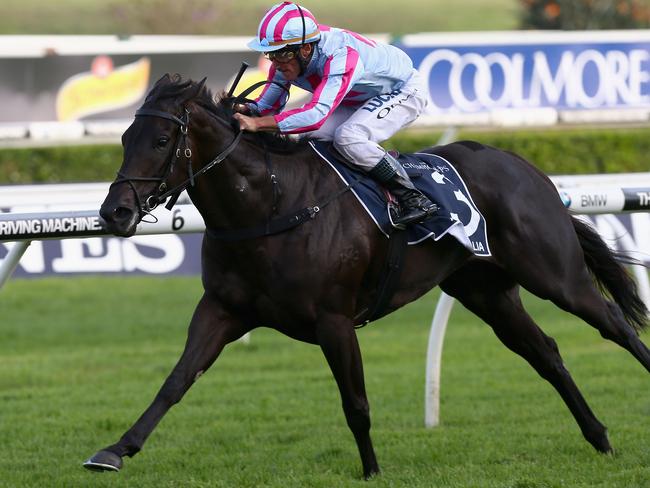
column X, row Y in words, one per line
column 363, row 93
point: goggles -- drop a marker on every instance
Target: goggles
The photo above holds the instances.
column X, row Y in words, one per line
column 281, row 56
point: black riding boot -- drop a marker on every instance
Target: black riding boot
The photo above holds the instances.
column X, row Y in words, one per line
column 414, row 206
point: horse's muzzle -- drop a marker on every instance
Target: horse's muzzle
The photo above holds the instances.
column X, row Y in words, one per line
column 121, row 221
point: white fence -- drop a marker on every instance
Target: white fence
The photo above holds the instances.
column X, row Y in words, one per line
column 24, row 227
column 55, row 205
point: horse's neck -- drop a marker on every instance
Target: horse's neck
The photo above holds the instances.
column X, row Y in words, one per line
column 239, row 192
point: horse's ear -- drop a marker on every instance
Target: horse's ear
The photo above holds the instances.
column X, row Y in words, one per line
column 194, row 90
column 164, row 79
column 199, row 87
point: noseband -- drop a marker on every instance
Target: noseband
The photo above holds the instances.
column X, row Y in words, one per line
column 182, row 150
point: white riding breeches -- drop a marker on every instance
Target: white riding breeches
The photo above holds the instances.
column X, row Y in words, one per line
column 357, row 131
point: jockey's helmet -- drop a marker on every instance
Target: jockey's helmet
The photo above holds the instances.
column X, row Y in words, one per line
column 285, row 24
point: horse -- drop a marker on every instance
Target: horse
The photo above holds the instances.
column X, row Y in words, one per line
column 311, row 281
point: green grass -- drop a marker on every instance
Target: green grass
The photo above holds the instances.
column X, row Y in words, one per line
column 230, row 17
column 81, row 358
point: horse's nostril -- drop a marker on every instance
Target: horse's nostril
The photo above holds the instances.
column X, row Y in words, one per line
column 122, row 213
column 120, row 221
column 118, row 214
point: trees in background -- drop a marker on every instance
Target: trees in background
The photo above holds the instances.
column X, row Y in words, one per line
column 170, row 16
column 585, row 14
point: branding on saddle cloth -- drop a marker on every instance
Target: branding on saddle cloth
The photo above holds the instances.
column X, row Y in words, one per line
column 437, row 179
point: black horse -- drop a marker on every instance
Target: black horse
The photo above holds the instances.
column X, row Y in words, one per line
column 311, row 282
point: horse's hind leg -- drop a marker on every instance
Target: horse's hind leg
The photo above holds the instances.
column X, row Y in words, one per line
column 570, row 286
column 338, row 341
column 605, row 316
column 210, row 330
column 491, row 294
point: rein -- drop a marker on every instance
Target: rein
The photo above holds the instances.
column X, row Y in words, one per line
column 181, row 150
column 270, row 227
column 187, row 153
column 277, row 225
column 397, row 244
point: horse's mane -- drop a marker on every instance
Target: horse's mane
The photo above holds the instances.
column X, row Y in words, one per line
column 272, row 140
column 180, row 91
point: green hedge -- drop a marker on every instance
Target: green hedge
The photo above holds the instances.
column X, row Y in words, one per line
column 559, row 151
column 62, row 164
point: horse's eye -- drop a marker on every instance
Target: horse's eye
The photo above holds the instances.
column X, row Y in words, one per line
column 162, row 142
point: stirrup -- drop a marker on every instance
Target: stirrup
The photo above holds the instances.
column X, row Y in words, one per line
column 394, row 216
column 413, row 216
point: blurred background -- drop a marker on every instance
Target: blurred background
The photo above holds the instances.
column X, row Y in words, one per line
column 230, row 17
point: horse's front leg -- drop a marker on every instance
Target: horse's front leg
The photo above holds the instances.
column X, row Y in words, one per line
column 210, row 330
column 338, row 341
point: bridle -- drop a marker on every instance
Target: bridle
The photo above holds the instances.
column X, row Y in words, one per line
column 181, row 150
column 270, row 227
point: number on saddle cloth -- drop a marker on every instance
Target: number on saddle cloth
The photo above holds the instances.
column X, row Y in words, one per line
column 432, row 175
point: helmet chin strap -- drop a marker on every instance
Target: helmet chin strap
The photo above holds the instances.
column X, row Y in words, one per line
column 302, row 61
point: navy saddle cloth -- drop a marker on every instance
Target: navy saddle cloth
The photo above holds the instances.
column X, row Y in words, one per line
column 435, row 177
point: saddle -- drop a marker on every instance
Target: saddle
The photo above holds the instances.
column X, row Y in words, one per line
column 434, row 176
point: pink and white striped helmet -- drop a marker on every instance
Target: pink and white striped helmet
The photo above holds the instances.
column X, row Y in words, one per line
column 283, row 25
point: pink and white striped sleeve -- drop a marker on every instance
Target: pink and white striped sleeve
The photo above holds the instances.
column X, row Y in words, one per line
column 272, row 98
column 340, row 72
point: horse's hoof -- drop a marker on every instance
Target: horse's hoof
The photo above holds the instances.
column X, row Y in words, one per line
column 368, row 475
column 104, row 461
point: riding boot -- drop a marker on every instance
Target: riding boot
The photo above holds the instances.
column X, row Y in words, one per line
column 414, row 206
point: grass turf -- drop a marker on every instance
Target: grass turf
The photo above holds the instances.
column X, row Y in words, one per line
column 81, row 358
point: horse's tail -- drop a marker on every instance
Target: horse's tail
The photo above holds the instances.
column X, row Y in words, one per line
column 612, row 278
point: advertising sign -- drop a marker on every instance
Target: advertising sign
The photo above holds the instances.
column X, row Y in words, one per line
column 549, row 74
column 180, row 254
column 485, row 77
column 107, row 82
column 69, row 239
column 138, row 255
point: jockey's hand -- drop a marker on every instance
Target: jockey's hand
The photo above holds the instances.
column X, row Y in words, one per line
column 255, row 124
column 241, row 108
column 246, row 122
